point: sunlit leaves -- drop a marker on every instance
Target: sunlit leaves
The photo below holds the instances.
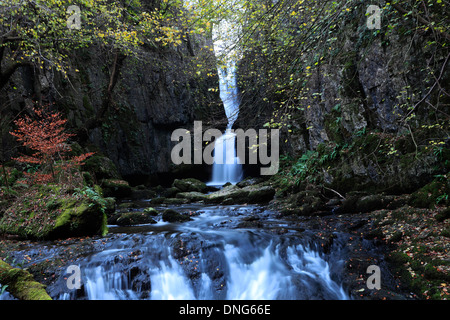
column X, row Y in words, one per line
column 36, row 32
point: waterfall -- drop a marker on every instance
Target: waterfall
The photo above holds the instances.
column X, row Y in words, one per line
column 227, row 166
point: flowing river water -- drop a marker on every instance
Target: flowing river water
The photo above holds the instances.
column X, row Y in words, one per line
column 223, row 253
column 212, row 257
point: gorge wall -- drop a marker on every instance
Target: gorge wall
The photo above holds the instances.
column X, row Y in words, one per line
column 153, row 94
column 362, row 109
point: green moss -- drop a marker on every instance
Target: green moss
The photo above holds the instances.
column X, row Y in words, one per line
column 49, row 211
column 429, row 195
column 21, row 283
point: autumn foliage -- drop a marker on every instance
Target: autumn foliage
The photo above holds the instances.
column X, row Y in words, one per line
column 46, row 137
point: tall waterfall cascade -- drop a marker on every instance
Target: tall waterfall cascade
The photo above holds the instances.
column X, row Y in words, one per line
column 227, row 167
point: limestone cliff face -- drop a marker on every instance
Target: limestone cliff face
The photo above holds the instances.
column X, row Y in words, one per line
column 359, row 95
column 154, row 94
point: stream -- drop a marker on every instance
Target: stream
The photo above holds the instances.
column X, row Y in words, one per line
column 232, row 252
column 207, row 260
column 222, row 253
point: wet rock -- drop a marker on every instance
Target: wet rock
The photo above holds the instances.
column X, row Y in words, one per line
column 116, row 188
column 234, row 194
column 260, row 194
column 249, row 182
column 357, row 202
column 170, row 215
column 170, row 192
column 190, row 184
column 192, row 196
column 110, row 204
column 151, row 211
column 21, row 283
column 133, row 218
column 175, row 201
column 158, row 200
column 139, row 194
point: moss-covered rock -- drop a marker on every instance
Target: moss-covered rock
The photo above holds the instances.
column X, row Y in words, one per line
column 236, row 195
column 79, row 218
column 151, row 211
column 49, row 212
column 116, row 188
column 170, row 215
column 135, row 217
column 233, row 192
column 259, row 194
column 190, row 184
column 21, row 283
column 101, row 167
column 192, row 196
column 435, row 192
column 175, row 201
column 443, row 215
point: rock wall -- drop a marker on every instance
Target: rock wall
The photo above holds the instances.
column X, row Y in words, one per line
column 358, row 95
column 156, row 92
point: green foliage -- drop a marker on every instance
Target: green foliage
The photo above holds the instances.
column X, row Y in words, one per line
column 94, row 194
column 37, row 33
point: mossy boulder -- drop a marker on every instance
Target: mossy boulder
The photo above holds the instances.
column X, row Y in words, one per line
column 249, row 181
column 151, row 211
column 135, row 217
column 101, row 167
column 190, row 184
column 110, row 205
column 435, row 192
column 259, row 194
column 175, row 201
column 116, row 188
column 21, row 283
column 304, row 203
column 50, row 212
column 79, row 218
column 192, row 196
column 170, row 192
column 249, row 194
column 232, row 192
column 170, row 215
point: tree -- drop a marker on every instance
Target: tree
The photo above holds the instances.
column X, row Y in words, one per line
column 37, row 33
column 46, row 137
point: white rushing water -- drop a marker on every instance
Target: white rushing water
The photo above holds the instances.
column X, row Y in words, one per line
column 230, row 264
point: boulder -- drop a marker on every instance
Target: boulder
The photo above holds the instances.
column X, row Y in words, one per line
column 140, row 194
column 101, row 167
column 362, row 203
column 170, row 215
column 52, row 212
column 249, row 181
column 249, row 194
column 175, row 201
column 135, row 217
column 116, row 188
column 259, row 194
column 110, row 205
column 192, row 196
column 21, row 283
column 151, row 211
column 190, row 184
column 79, row 218
column 232, row 192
